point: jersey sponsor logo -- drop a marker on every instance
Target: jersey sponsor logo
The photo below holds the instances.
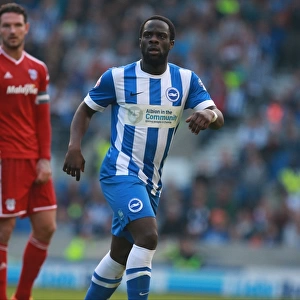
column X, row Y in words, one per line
column 10, row 204
column 7, row 75
column 33, row 74
column 172, row 94
column 25, row 89
column 135, row 205
column 152, row 115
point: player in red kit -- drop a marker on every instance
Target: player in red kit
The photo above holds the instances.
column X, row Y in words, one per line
column 25, row 137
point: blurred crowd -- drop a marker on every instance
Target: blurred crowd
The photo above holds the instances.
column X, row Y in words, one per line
column 247, row 53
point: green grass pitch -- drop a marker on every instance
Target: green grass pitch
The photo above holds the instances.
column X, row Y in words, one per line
column 60, row 294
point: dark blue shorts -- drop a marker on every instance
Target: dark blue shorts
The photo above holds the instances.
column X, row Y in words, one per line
column 130, row 199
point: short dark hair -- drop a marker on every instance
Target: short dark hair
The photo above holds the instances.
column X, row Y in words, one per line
column 15, row 8
column 164, row 19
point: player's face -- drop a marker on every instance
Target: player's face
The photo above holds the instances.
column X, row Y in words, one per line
column 155, row 42
column 13, row 30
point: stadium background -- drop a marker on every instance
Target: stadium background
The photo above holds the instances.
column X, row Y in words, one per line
column 231, row 200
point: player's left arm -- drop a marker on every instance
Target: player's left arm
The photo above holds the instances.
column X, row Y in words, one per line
column 210, row 117
column 43, row 129
column 43, row 167
column 206, row 114
column 217, row 120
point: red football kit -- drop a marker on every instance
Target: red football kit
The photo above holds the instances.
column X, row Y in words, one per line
column 25, row 135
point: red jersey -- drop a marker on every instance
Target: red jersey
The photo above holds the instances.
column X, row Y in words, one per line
column 25, row 130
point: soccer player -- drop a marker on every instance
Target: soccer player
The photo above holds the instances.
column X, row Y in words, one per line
column 25, row 138
column 147, row 98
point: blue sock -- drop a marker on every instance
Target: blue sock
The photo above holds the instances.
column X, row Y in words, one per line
column 102, row 291
column 138, row 287
column 138, row 273
column 105, row 280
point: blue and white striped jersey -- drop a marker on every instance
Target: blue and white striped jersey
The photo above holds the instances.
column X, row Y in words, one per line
column 146, row 111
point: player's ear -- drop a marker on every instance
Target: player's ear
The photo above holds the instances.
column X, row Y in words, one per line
column 27, row 26
column 172, row 42
column 140, row 41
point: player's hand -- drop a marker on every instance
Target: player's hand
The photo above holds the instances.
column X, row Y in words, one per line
column 199, row 120
column 43, row 171
column 74, row 163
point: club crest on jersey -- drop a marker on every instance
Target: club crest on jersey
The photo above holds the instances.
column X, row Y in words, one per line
column 10, row 204
column 135, row 114
column 172, row 94
column 33, row 74
column 135, row 205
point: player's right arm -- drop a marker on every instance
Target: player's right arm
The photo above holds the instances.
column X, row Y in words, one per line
column 74, row 160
